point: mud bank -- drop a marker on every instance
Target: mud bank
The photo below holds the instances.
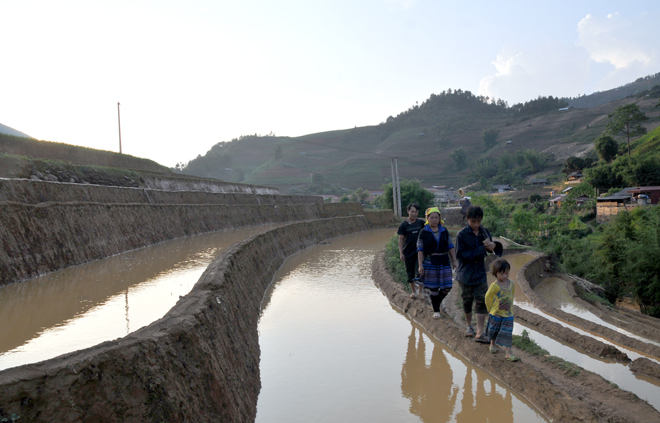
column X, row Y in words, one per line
column 533, row 273
column 200, row 362
column 587, row 398
column 586, row 343
column 41, row 238
column 35, row 191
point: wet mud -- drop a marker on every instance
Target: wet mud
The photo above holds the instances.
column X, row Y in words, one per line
column 571, row 337
column 587, row 397
column 533, row 273
column 200, row 362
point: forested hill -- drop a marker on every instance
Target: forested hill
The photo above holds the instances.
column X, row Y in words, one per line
column 634, row 89
column 452, row 138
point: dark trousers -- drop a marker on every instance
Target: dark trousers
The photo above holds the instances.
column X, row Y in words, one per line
column 412, row 268
column 437, row 295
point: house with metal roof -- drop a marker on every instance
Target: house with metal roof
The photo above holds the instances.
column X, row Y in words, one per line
column 626, row 199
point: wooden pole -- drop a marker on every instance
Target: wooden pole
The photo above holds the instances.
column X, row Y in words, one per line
column 119, row 123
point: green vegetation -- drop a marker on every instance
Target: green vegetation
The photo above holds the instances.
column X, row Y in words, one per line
column 640, row 88
column 525, row 343
column 570, row 369
column 621, row 255
column 607, row 148
column 627, row 120
column 490, row 137
column 439, row 139
column 411, row 192
column 538, row 106
column 28, row 147
column 640, row 168
column 394, row 265
column 509, row 168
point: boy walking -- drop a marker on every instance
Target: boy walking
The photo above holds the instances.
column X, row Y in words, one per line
column 473, row 243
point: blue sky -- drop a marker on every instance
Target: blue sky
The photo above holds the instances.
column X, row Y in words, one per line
column 191, row 74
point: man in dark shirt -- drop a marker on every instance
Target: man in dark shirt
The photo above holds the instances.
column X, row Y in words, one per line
column 473, row 243
column 408, row 233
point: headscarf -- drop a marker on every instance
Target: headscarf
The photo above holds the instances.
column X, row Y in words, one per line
column 434, row 210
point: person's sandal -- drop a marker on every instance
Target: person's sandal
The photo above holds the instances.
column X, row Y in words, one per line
column 481, row 339
column 512, row 358
column 469, row 333
column 493, row 350
column 436, row 315
column 413, row 296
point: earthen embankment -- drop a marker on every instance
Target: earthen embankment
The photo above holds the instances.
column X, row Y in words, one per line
column 50, row 236
column 587, row 397
column 36, row 191
column 200, row 362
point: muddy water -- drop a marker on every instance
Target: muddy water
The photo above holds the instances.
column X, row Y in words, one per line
column 85, row 305
column 554, row 291
column 614, row 372
column 333, row 349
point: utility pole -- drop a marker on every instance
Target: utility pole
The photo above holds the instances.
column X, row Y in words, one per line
column 396, row 190
column 119, row 123
column 398, row 187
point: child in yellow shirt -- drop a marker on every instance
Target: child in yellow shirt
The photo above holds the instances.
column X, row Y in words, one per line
column 499, row 302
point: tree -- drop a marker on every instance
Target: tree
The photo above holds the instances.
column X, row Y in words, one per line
column 490, row 137
column 359, row 195
column 627, row 120
column 317, row 179
column 606, row 147
column 573, row 164
column 459, row 157
column 411, row 192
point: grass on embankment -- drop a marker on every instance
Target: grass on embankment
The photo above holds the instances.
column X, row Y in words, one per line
column 525, row 343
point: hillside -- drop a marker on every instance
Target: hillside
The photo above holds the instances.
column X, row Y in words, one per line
column 423, row 138
column 603, row 97
column 4, row 129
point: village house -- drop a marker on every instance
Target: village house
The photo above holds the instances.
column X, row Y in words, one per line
column 626, row 199
column 373, row 195
column 503, row 188
column 539, row 181
column 557, row 200
column 574, row 178
column 442, row 194
column 582, row 200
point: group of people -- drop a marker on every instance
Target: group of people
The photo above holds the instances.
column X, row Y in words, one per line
column 432, row 262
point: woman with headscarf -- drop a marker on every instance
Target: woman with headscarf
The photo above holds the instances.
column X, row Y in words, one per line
column 434, row 251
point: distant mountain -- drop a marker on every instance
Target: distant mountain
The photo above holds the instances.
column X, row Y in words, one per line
column 426, row 139
column 11, row 131
column 599, row 98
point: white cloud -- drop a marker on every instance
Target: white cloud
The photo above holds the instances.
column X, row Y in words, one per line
column 551, row 69
column 627, row 44
column 616, row 40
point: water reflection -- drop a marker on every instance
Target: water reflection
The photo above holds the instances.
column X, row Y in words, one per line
column 430, row 388
column 333, row 349
column 553, row 290
column 556, row 293
column 85, row 305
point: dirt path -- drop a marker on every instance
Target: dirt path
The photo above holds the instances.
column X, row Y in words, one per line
column 586, row 397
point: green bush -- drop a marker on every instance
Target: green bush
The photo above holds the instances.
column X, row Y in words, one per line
column 394, row 264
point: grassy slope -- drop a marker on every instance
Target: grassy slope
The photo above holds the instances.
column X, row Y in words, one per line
column 360, row 157
column 29, row 147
